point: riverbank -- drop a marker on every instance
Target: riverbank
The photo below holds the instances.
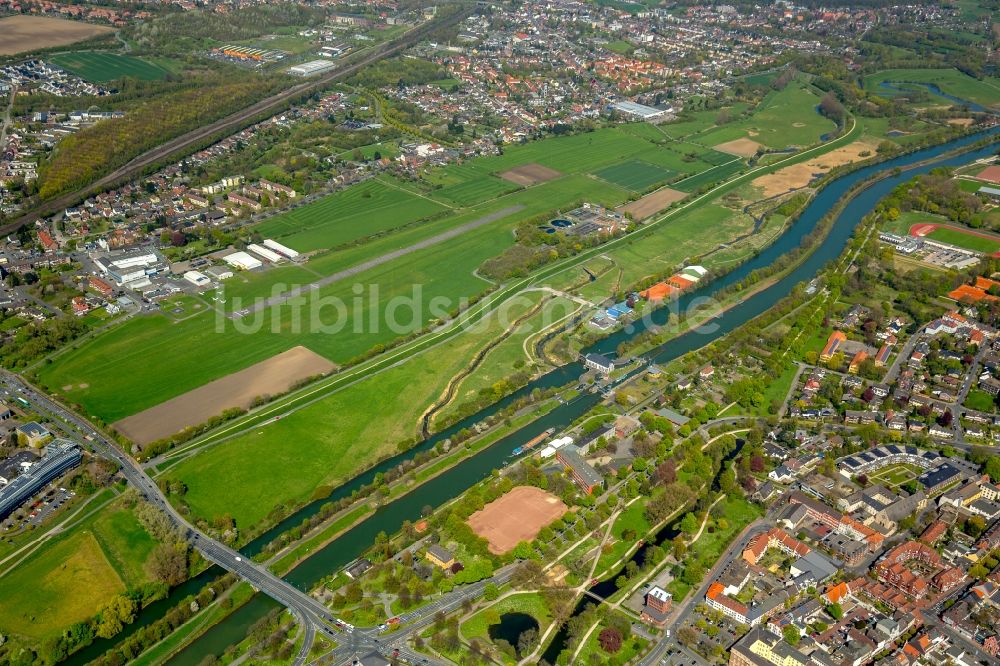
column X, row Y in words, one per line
column 455, row 479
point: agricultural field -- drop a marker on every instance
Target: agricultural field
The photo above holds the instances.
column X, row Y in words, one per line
column 949, row 81
column 32, row 33
column 324, row 443
column 100, row 67
column 634, row 175
column 74, row 574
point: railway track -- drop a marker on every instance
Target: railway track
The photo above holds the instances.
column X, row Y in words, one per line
column 232, row 123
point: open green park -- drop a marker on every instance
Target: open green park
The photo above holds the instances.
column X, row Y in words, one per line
column 950, row 81
column 784, row 118
column 73, row 574
column 529, row 603
column 102, row 67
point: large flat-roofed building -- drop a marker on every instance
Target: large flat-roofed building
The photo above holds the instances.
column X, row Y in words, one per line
column 265, row 253
column 242, row 261
column 196, row 278
column 279, row 248
column 60, row 456
column 130, row 267
column 312, row 68
column 642, row 111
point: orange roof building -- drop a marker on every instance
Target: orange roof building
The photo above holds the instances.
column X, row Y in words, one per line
column 856, row 362
column 773, row 538
column 833, row 343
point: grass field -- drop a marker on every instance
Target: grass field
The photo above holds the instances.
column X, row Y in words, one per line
column 149, row 359
column 323, row 443
column 503, row 359
column 100, row 67
column 783, row 118
column 633, row 519
column 777, row 389
column 593, row 653
column 713, row 175
column 949, row 81
column 738, row 513
column 369, row 208
column 635, row 175
column 961, row 239
column 74, row 574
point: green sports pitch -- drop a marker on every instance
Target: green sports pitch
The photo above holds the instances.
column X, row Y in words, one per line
column 100, row 67
column 635, row 175
column 969, row 241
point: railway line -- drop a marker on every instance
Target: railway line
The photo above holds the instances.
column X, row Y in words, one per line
column 234, row 122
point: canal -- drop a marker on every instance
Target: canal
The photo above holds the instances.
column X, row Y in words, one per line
column 453, row 482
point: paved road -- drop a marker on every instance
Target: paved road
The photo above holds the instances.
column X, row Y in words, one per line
column 309, row 612
column 366, row 640
column 683, row 611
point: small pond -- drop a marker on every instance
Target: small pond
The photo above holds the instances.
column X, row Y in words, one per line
column 511, row 626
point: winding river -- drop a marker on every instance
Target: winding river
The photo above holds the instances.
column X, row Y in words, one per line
column 454, row 481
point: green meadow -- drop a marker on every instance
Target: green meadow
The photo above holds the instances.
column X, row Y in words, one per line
column 101, row 67
column 949, row 81
column 72, row 575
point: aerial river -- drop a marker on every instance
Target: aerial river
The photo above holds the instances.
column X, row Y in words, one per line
column 352, row 543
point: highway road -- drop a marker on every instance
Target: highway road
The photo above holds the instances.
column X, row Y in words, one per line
column 198, row 137
column 309, row 612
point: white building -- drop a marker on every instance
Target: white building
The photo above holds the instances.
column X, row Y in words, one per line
column 196, row 278
column 312, row 68
column 264, row 253
column 219, row 272
column 281, row 249
column 242, row 261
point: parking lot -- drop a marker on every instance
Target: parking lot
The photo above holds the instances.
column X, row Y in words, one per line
column 40, row 510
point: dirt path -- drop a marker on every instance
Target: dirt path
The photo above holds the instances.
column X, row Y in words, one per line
column 450, row 390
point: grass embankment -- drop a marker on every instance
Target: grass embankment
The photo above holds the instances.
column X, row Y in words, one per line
column 74, row 574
